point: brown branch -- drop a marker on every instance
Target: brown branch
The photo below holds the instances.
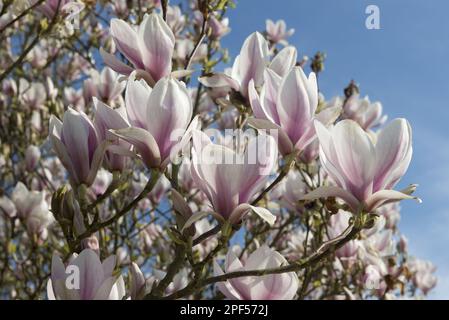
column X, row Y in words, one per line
column 95, row 227
column 324, row 251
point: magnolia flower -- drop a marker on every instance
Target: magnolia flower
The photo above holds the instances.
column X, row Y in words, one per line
column 7, row 207
column 159, row 190
column 74, row 98
column 270, row 287
column 104, row 86
column 85, row 278
column 373, row 279
column 328, row 114
column 287, row 105
column 33, row 95
column 76, row 143
column 38, row 57
column 32, row 207
column 185, row 179
column 120, row 8
column 158, row 117
column 105, row 119
column 277, row 31
column 219, row 28
column 9, row 87
column 423, row 276
column 32, row 156
column 51, row 90
column 381, row 243
column 425, row 281
column 362, row 111
column 290, row 189
column 149, row 47
column 231, row 184
column 249, row 64
column 365, row 172
column 138, row 282
column 391, row 214
column 150, row 234
column 175, row 19
column 101, row 182
column 49, row 7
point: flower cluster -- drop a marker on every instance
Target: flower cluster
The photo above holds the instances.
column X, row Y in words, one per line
column 128, row 173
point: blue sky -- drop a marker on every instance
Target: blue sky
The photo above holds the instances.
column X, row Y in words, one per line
column 404, row 65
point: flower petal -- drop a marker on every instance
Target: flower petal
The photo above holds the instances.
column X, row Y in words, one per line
column 284, row 61
column 386, row 196
column 125, row 38
column 114, row 63
column 332, row 191
column 145, row 144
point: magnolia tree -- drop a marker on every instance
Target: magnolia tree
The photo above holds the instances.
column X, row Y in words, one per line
column 132, row 166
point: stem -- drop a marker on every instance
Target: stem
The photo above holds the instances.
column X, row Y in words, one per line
column 173, row 269
column 198, row 43
column 106, row 194
column 164, row 4
column 95, row 227
column 206, row 235
column 279, row 178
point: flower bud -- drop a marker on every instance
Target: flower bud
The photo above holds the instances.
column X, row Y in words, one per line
column 32, row 156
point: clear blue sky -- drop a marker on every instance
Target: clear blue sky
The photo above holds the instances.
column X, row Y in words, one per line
column 405, row 66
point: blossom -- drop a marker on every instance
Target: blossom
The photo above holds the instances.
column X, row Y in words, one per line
column 158, row 117
column 85, row 278
column 149, row 47
column 281, row 286
column 328, row 114
column 103, row 85
column 32, row 207
column 32, row 156
column 277, row 31
column 159, row 190
column 365, row 171
column 289, row 190
column 249, row 64
column 76, row 143
column 33, row 95
column 230, row 187
column 7, row 207
column 287, row 105
column 50, row 7
column 219, row 27
column 175, row 19
column 138, row 282
column 74, row 98
column 105, row 119
column 423, row 274
column 368, row 115
column 101, row 182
